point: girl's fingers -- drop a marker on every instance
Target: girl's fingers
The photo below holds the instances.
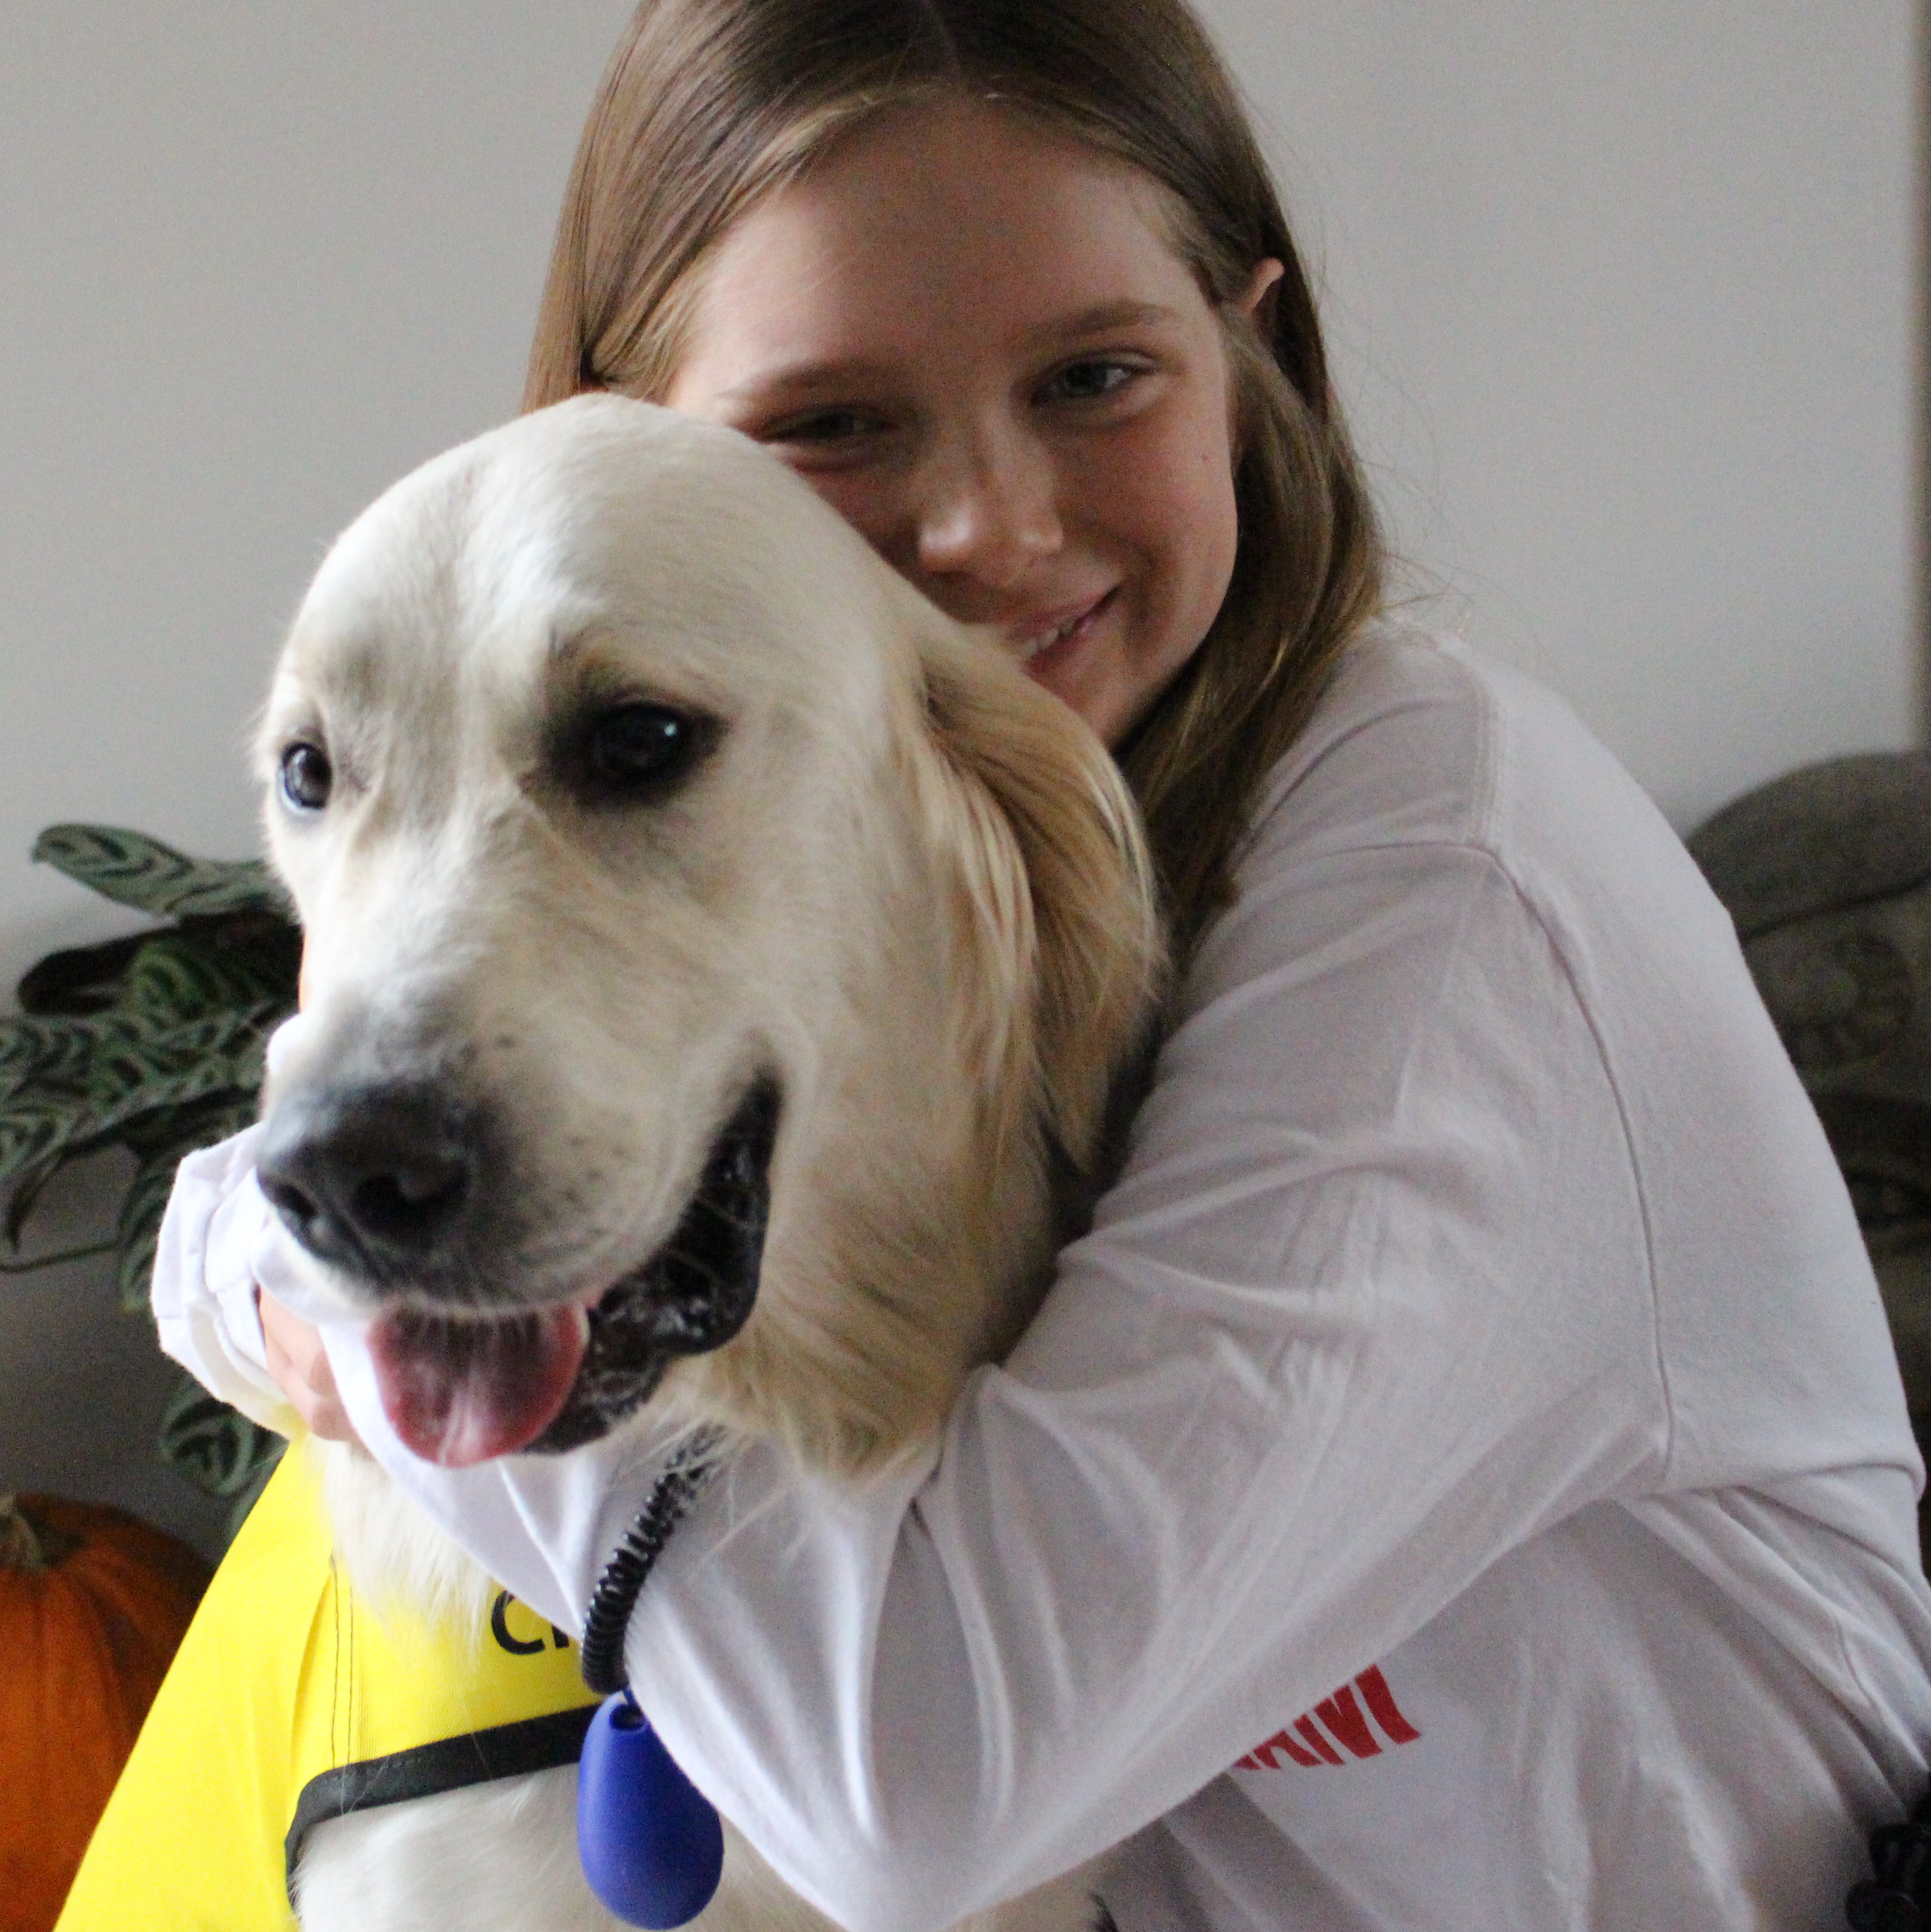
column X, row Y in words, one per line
column 299, row 1366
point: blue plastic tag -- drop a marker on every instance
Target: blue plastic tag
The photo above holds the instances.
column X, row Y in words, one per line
column 651, row 1843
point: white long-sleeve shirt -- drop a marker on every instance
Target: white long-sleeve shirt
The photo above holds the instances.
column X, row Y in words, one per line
column 1461, row 1481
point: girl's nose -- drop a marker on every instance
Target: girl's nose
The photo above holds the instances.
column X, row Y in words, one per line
column 987, row 508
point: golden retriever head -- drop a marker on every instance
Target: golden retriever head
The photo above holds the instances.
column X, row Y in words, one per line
column 713, row 951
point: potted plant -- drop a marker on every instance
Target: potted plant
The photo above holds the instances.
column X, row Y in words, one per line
column 151, row 1043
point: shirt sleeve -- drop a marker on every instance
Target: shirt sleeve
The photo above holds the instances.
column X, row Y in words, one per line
column 220, row 1242
column 1369, row 1305
column 205, row 1278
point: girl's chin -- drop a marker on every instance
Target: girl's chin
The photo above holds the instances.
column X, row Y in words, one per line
column 1057, row 665
column 1098, row 699
column 1094, row 677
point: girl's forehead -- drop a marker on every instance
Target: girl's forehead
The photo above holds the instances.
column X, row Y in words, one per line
column 961, row 217
column 965, row 152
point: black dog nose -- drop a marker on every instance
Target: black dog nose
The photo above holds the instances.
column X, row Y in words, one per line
column 378, row 1180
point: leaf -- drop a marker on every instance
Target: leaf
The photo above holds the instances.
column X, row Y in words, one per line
column 33, row 1128
column 44, row 1058
column 268, row 1452
column 25, row 1191
column 174, row 1132
column 176, row 976
column 216, row 1447
column 271, row 943
column 138, row 1228
column 213, row 1081
column 45, row 1067
column 81, row 980
column 76, row 1143
column 59, row 1258
column 137, row 1069
column 155, row 1040
column 133, row 1071
column 133, row 870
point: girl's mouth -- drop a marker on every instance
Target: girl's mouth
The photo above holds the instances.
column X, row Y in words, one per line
column 1038, row 646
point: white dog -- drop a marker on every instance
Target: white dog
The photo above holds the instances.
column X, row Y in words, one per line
column 718, row 964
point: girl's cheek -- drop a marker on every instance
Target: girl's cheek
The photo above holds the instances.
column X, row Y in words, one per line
column 870, row 504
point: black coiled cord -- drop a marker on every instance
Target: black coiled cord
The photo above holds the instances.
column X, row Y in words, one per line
column 625, row 1574
column 1899, row 1898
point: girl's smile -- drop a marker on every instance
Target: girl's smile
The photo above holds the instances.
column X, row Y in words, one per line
column 976, row 342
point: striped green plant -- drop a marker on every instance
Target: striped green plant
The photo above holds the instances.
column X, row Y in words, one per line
column 152, row 1043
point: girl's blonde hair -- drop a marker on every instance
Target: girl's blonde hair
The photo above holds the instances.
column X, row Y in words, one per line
column 707, row 105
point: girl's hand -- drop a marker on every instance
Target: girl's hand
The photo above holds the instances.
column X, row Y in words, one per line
column 296, row 1361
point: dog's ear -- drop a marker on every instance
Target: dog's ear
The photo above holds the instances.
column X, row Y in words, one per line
column 1059, row 885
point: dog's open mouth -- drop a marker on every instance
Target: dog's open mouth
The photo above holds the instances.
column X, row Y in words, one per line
column 459, row 1389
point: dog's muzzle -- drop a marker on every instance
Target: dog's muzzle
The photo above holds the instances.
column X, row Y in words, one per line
column 385, row 1181
column 390, row 1185
column 693, row 1295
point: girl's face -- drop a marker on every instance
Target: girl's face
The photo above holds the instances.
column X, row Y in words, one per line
column 976, row 342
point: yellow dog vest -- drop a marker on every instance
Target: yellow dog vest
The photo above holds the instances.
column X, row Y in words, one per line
column 291, row 1701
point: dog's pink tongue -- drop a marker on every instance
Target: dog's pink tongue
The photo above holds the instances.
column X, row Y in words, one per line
column 459, row 1390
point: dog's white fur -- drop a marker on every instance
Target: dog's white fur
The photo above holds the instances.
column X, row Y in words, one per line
column 905, row 881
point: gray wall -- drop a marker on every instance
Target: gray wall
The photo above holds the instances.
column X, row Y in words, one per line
column 1625, row 297
column 260, row 258
column 1622, row 294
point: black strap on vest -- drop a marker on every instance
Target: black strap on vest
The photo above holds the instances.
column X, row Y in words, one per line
column 449, row 1764
column 536, row 1744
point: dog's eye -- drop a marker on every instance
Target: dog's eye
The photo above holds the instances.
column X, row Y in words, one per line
column 306, row 777
column 636, row 751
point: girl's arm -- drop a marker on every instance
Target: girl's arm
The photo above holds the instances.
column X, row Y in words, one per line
column 1369, row 1307
column 1473, row 1188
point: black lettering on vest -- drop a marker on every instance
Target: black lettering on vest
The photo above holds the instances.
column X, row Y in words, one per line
column 499, row 1627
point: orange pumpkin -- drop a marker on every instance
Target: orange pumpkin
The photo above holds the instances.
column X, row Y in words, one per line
column 93, row 1602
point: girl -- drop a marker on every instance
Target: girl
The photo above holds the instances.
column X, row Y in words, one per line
column 1461, row 1480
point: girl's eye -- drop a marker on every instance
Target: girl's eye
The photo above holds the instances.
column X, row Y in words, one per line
column 1096, row 377
column 826, row 427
